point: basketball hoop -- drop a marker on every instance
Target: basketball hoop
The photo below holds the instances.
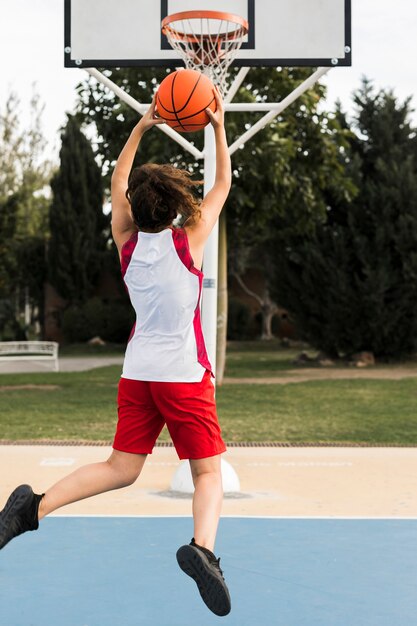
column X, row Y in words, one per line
column 207, row 41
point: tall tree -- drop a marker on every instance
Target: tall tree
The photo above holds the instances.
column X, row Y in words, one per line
column 282, row 178
column 351, row 282
column 23, row 166
column 11, row 147
column 8, row 219
column 77, row 223
column 24, row 178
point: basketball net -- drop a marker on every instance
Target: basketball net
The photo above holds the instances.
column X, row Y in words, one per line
column 207, row 41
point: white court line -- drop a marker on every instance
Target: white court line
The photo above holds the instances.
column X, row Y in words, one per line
column 67, row 461
column 278, row 517
column 116, row 516
column 57, row 462
column 300, row 464
column 315, row 464
column 163, row 463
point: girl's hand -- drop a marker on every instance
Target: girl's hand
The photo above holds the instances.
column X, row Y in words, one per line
column 217, row 118
column 150, row 119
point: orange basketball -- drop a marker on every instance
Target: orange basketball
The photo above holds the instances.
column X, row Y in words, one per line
column 182, row 99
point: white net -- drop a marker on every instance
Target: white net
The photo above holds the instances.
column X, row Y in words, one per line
column 205, row 43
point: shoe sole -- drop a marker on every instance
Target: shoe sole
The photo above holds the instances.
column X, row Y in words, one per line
column 212, row 589
column 19, row 500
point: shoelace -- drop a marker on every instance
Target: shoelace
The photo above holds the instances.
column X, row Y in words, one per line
column 216, row 563
column 212, row 559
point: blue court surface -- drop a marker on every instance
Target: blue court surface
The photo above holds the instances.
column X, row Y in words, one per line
column 122, row 571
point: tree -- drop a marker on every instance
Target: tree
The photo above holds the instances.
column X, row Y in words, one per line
column 10, row 147
column 8, row 211
column 23, row 167
column 77, row 222
column 351, row 283
column 24, row 178
column 282, row 179
column 8, row 218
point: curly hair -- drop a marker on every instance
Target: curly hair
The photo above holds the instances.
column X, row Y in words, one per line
column 159, row 193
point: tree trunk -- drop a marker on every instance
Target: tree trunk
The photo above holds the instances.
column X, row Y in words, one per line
column 267, row 306
column 221, row 301
column 268, row 310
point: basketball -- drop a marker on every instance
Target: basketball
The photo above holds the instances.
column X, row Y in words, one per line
column 182, row 99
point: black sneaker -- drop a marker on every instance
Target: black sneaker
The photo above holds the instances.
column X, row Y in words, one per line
column 204, row 568
column 20, row 514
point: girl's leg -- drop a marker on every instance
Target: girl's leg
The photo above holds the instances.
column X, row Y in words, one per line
column 120, row 470
column 207, row 500
column 197, row 559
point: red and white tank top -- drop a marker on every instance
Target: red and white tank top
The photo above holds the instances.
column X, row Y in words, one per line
column 166, row 343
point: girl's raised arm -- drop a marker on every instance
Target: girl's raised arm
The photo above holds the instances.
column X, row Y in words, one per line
column 122, row 222
column 212, row 204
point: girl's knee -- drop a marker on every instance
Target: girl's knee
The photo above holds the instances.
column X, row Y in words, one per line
column 126, row 466
column 209, row 466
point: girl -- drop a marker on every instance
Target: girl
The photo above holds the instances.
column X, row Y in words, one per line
column 166, row 376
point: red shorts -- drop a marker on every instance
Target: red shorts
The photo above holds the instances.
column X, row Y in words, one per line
column 188, row 410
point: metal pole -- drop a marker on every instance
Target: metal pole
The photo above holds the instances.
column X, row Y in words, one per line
column 240, row 107
column 210, row 262
column 239, row 78
column 140, row 108
column 266, row 119
column 252, row 106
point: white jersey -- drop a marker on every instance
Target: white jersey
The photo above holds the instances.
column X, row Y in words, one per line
column 166, row 343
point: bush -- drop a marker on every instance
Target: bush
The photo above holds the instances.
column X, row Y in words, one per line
column 74, row 324
column 119, row 320
column 10, row 327
column 112, row 321
column 239, row 319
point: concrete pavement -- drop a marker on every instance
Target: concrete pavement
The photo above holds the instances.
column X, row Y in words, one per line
column 66, row 364
column 293, row 482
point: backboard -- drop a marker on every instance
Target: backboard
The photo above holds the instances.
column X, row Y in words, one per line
column 127, row 33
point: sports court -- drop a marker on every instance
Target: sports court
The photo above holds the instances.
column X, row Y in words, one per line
column 318, row 536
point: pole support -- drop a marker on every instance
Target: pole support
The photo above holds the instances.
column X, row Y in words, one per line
column 233, row 89
column 210, row 261
column 278, row 108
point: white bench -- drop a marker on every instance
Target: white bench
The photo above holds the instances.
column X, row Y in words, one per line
column 30, row 351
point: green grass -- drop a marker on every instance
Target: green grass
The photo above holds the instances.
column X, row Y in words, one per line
column 258, row 360
column 82, row 406
column 266, row 359
column 336, row 411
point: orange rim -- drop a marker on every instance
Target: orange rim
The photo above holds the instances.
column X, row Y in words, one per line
column 241, row 23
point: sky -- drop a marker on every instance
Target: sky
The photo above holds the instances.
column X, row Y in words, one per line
column 384, row 48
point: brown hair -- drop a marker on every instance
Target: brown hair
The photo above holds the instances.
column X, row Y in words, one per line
column 159, row 193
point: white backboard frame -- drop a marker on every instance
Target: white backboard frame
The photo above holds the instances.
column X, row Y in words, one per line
column 127, row 33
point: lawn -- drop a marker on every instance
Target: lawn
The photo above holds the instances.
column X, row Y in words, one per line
column 258, row 359
column 82, row 406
